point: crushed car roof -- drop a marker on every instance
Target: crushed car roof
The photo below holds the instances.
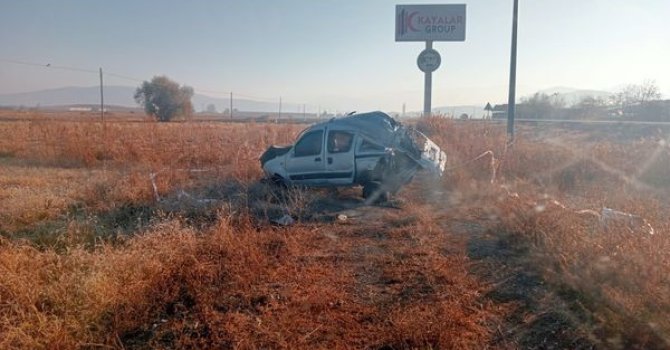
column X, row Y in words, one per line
column 378, row 126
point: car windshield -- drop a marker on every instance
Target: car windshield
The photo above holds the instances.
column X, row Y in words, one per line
column 302, row 133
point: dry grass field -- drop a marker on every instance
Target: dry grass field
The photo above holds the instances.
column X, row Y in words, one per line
column 160, row 235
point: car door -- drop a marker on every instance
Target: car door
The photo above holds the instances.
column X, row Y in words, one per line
column 340, row 162
column 305, row 163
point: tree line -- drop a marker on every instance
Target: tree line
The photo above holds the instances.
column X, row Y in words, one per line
column 165, row 99
column 642, row 102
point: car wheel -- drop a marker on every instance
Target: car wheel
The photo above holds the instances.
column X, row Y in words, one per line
column 374, row 192
column 277, row 181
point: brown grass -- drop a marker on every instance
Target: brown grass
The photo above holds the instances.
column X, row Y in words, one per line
column 616, row 271
column 89, row 259
column 235, row 286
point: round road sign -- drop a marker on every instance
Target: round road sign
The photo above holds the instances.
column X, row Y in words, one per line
column 429, row 60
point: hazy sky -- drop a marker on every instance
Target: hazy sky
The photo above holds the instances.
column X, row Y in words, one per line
column 334, row 53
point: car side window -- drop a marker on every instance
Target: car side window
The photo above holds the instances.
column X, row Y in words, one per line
column 367, row 146
column 310, row 144
column 340, row 141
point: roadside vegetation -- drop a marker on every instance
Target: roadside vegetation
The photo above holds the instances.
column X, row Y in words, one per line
column 160, row 235
column 632, row 103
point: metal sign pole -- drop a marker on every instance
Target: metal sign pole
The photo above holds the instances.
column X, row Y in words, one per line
column 428, row 23
column 427, row 86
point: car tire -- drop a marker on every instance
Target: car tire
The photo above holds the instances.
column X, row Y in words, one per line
column 373, row 192
column 278, row 181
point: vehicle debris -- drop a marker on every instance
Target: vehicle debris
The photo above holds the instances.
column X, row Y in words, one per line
column 605, row 220
column 614, row 218
column 372, row 150
column 286, row 220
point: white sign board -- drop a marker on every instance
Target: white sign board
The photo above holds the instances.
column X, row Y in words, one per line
column 430, row 22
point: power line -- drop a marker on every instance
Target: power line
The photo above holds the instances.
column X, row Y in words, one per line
column 212, row 91
column 121, row 76
column 129, row 78
column 266, row 99
column 49, row 65
column 73, row 69
column 25, row 63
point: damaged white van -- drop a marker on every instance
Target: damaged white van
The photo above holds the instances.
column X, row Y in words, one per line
column 368, row 149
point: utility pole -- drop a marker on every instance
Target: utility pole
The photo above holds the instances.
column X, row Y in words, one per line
column 102, row 102
column 511, row 102
column 279, row 115
column 104, row 126
column 304, row 116
column 231, row 105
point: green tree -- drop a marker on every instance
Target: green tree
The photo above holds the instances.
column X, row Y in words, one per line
column 164, row 98
column 211, row 108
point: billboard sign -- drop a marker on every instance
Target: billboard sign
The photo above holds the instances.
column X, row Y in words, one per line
column 430, row 22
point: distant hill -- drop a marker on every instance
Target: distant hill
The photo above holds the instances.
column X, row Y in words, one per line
column 123, row 96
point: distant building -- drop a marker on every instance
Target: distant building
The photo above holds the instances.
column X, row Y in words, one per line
column 80, row 109
column 499, row 112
